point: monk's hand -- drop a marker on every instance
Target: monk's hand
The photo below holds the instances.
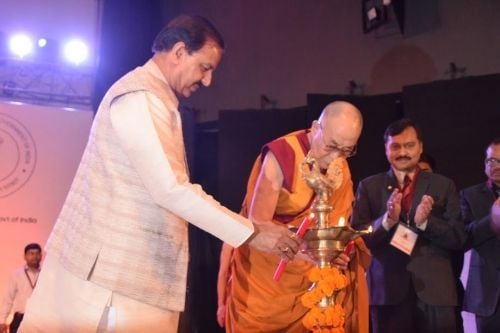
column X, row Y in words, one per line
column 276, row 239
column 342, row 261
column 221, row 314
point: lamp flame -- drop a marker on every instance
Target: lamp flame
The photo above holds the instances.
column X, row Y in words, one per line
column 341, row 222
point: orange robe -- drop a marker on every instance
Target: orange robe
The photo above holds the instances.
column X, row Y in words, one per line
column 258, row 304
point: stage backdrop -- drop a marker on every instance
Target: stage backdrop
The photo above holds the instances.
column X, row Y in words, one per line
column 40, row 148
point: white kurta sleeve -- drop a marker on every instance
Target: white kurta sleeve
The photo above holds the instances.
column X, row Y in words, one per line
column 131, row 120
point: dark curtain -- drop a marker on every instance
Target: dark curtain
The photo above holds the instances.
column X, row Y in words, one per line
column 201, row 297
column 128, row 28
column 242, row 133
column 458, row 119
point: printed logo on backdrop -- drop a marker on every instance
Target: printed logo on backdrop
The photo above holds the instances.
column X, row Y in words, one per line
column 17, row 155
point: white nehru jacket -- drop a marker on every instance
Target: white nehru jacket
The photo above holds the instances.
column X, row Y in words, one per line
column 123, row 225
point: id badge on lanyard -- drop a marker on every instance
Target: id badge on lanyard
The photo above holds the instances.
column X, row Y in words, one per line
column 404, row 238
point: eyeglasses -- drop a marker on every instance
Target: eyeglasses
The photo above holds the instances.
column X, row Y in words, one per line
column 491, row 162
column 332, row 148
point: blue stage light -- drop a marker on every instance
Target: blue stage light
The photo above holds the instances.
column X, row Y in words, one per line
column 21, row 45
column 75, row 51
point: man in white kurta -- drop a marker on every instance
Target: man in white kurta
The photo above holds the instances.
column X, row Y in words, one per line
column 117, row 257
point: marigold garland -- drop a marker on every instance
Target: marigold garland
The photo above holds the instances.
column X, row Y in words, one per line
column 330, row 319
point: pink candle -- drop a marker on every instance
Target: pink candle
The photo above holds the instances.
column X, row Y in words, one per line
column 299, row 233
column 349, row 248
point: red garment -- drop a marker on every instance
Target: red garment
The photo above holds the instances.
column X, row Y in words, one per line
column 407, row 195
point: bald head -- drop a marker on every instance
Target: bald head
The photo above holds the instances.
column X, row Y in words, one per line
column 343, row 115
column 336, row 132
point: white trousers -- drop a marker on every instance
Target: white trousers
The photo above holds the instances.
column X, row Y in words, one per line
column 63, row 303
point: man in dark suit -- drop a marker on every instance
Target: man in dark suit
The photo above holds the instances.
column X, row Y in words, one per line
column 428, row 163
column 482, row 294
column 416, row 226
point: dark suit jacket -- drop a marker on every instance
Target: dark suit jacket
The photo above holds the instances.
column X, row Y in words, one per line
column 483, row 285
column 428, row 269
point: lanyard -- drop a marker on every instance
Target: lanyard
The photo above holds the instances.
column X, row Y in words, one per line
column 29, row 279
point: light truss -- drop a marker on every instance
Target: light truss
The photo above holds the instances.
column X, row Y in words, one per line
column 46, row 83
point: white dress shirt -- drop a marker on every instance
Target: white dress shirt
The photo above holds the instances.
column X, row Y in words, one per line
column 19, row 289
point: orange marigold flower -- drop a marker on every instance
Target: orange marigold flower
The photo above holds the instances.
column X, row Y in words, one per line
column 317, row 294
column 308, row 321
column 328, row 317
column 324, row 320
column 328, row 271
column 316, row 311
column 310, row 298
column 340, row 282
column 315, row 274
column 326, row 287
column 336, row 319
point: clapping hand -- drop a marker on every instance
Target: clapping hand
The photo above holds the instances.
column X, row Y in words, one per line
column 423, row 209
column 394, row 207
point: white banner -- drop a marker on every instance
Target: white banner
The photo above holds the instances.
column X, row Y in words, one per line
column 40, row 149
